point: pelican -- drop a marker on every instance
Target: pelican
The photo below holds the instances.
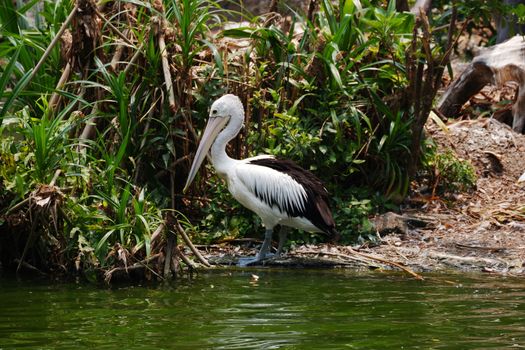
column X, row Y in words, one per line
column 277, row 190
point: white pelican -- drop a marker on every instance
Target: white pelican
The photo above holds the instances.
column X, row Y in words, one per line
column 277, row 190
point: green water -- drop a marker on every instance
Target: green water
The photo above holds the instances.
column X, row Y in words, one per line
column 294, row 309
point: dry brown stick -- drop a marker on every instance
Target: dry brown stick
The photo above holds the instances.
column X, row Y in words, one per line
column 109, row 274
column 118, row 54
column 186, row 260
column 146, row 261
column 18, row 205
column 156, row 234
column 115, row 29
column 134, row 58
column 53, row 101
column 88, row 130
column 187, row 240
column 370, row 257
column 137, row 265
column 167, row 261
column 55, row 177
column 166, row 67
column 339, row 255
column 388, row 262
column 53, row 42
column 312, row 6
column 29, row 267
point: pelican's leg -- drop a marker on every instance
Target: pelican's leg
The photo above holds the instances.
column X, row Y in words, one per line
column 263, row 253
column 282, row 239
column 267, row 244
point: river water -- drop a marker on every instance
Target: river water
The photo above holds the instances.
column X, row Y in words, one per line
column 292, row 309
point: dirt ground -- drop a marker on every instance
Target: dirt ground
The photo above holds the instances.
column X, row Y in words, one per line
column 483, row 230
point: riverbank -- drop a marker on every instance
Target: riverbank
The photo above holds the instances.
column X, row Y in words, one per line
column 481, row 230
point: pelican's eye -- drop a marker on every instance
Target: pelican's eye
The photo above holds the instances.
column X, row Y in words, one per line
column 214, row 112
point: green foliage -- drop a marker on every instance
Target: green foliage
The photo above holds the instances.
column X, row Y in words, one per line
column 329, row 93
column 448, row 173
column 234, row 220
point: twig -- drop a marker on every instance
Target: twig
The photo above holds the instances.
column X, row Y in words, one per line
column 29, row 267
column 53, row 42
column 118, row 54
column 18, row 205
column 55, row 177
column 187, row 240
column 88, row 130
column 169, row 250
column 466, row 246
column 370, row 257
column 115, row 29
column 186, row 260
column 166, row 67
column 388, row 262
column 136, row 266
column 157, row 232
column 53, row 101
column 312, row 6
column 133, row 59
column 339, row 255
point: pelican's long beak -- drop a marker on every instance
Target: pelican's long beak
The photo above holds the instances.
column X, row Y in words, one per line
column 214, row 126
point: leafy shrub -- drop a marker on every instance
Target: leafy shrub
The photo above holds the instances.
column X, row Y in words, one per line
column 449, row 174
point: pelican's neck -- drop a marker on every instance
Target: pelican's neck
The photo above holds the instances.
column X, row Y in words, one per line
column 219, row 158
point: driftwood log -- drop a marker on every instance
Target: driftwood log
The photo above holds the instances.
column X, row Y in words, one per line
column 495, row 65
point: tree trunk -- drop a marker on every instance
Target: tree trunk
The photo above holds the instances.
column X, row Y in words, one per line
column 497, row 65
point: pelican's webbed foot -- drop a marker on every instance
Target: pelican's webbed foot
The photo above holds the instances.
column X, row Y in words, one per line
column 264, row 252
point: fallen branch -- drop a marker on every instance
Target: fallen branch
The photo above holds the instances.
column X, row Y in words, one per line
column 29, row 267
column 190, row 245
column 339, row 255
column 156, row 234
column 108, row 275
column 388, row 262
column 186, row 260
column 367, row 256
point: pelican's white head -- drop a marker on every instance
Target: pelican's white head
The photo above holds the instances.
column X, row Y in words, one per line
column 227, row 106
column 227, row 112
